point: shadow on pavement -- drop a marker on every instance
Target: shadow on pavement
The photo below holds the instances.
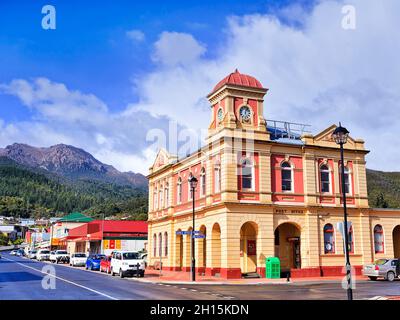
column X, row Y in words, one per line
column 18, row 276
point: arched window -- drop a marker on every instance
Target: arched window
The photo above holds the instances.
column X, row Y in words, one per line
column 378, row 239
column 325, row 178
column 161, row 192
column 347, row 180
column 203, row 181
column 179, row 190
column 190, row 193
column 155, row 203
column 165, row 244
column 286, row 170
column 160, row 244
column 329, row 239
column 351, row 240
column 154, row 245
column 247, row 174
column 166, row 195
column 217, row 178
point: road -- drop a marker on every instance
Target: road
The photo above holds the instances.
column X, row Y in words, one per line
column 21, row 278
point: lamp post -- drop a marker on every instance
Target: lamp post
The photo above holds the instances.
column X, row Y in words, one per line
column 340, row 136
column 193, row 184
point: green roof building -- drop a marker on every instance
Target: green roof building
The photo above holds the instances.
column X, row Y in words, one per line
column 75, row 217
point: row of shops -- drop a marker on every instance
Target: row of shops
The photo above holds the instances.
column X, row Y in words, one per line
column 79, row 233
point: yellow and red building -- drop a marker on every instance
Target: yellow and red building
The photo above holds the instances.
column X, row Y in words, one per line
column 264, row 190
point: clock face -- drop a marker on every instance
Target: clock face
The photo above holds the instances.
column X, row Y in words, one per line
column 220, row 114
column 245, row 113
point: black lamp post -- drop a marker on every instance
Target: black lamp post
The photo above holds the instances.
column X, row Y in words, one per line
column 193, row 185
column 340, row 136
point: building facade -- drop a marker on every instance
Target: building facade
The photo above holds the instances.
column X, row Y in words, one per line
column 264, row 189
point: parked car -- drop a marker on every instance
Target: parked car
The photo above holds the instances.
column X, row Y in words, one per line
column 389, row 269
column 32, row 254
column 13, row 252
column 59, row 256
column 20, row 253
column 43, row 255
column 78, row 259
column 105, row 264
column 144, row 257
column 93, row 261
column 127, row 262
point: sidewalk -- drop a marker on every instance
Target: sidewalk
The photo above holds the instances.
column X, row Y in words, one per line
column 177, row 277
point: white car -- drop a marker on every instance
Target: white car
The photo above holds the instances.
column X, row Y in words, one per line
column 43, row 255
column 13, row 252
column 59, row 256
column 78, row 259
column 32, row 254
column 127, row 262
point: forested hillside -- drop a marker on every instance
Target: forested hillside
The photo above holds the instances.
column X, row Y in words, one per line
column 25, row 192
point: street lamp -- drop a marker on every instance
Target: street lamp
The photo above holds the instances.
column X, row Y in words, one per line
column 340, row 136
column 193, row 184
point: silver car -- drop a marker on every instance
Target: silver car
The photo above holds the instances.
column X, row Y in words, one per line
column 389, row 269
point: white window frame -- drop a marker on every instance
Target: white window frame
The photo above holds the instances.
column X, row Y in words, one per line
column 217, row 174
column 252, row 188
column 203, row 181
column 179, row 191
column 329, row 178
column 290, row 168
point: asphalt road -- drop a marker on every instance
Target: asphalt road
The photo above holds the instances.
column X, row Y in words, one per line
column 21, row 278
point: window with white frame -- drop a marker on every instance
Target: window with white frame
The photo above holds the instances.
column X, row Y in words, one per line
column 217, row 178
column 160, row 244
column 154, row 245
column 378, row 239
column 325, row 178
column 287, row 179
column 203, row 182
column 347, row 180
column 155, row 200
column 179, row 190
column 247, row 174
column 165, row 244
column 161, row 197
column 329, row 239
column 166, row 195
column 190, row 191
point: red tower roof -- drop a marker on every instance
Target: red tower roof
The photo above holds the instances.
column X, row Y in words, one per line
column 237, row 78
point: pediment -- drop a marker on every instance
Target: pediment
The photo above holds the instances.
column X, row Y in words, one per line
column 325, row 138
column 163, row 158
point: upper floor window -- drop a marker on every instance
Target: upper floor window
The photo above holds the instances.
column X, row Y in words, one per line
column 378, row 239
column 161, row 192
column 155, row 200
column 217, row 178
column 166, row 195
column 346, row 180
column 247, row 174
column 190, row 191
column 286, row 170
column 329, row 239
column 203, row 182
column 325, row 178
column 179, row 190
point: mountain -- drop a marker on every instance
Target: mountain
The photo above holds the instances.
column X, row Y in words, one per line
column 70, row 162
column 35, row 192
column 383, row 189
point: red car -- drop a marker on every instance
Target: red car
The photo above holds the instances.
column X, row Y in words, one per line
column 105, row 264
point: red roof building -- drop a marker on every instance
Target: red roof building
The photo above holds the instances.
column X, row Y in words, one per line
column 238, row 79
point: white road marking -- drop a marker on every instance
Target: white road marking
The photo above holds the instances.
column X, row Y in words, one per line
column 194, row 290
column 65, row 280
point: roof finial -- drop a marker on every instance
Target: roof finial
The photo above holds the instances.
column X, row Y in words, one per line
column 236, row 70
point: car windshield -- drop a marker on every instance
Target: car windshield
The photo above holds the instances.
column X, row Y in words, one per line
column 380, row 261
column 80, row 255
column 45, row 252
column 99, row 257
column 130, row 255
column 62, row 252
column 33, row 251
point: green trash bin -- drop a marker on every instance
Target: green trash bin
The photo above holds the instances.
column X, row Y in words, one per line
column 272, row 268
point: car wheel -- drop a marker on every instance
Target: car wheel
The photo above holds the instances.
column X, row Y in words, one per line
column 373, row 278
column 121, row 274
column 86, row 267
column 390, row 276
column 112, row 271
column 108, row 270
column 142, row 274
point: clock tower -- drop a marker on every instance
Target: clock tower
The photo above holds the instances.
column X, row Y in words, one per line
column 237, row 103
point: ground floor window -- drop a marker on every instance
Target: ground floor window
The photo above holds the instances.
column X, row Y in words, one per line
column 378, row 239
column 329, row 239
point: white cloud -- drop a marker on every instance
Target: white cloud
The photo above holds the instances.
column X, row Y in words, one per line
column 174, row 49
column 318, row 74
column 136, row 35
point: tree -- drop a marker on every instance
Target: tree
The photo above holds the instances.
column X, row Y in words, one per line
column 381, row 201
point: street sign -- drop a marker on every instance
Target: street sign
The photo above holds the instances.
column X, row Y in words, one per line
column 199, row 236
column 340, row 227
column 187, row 232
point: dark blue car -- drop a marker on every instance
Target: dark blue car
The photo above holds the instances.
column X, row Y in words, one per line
column 93, row 261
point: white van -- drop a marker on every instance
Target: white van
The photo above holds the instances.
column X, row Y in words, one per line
column 43, row 255
column 127, row 262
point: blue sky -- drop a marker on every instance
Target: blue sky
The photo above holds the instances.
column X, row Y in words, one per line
column 140, row 64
